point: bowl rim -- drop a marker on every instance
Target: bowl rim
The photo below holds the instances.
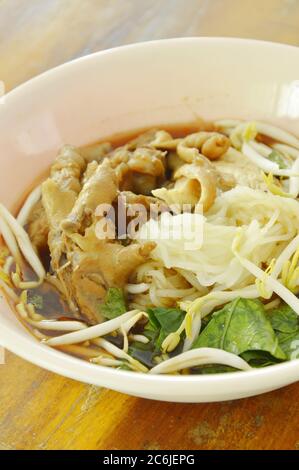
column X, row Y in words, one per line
column 39, row 354
column 59, row 362
column 48, row 74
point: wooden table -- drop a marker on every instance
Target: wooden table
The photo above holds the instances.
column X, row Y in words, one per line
column 41, row 410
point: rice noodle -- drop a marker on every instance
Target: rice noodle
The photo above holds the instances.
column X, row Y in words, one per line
column 214, row 263
column 192, row 279
column 165, row 287
column 199, row 357
column 143, row 269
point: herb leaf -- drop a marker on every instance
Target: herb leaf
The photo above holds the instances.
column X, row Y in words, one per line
column 259, row 358
column 285, row 322
column 165, row 320
column 143, row 352
column 283, row 319
column 238, row 327
column 35, row 299
column 114, row 304
column 169, row 319
column 212, row 369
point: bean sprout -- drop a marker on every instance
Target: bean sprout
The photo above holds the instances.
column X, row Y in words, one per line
column 137, row 288
column 61, row 325
column 29, row 204
column 93, row 331
column 290, row 151
column 120, row 354
column 9, row 291
column 264, row 163
column 25, row 246
column 199, row 357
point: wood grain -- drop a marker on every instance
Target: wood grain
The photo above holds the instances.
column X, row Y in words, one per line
column 41, row 410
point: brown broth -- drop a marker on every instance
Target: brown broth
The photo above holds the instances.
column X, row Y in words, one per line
column 176, row 130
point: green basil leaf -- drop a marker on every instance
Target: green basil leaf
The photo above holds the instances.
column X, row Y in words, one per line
column 165, row 321
column 285, row 322
column 114, row 304
column 238, row 327
column 283, row 319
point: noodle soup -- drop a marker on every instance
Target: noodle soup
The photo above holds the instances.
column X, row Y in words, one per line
column 167, row 251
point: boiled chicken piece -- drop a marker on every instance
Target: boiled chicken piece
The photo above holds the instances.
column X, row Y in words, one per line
column 210, row 144
column 59, row 194
column 95, row 152
column 140, row 170
column 100, row 188
column 86, row 263
column 156, row 138
column 195, row 185
column 93, row 272
column 90, row 170
column 93, row 262
column 96, row 264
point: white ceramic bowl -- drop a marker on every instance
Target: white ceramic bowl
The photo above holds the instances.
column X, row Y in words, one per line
column 131, row 87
